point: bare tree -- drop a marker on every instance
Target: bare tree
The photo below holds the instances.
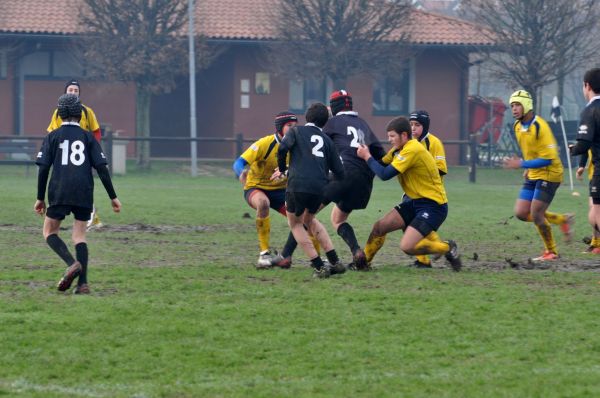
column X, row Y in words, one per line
column 538, row 41
column 138, row 41
column 340, row 38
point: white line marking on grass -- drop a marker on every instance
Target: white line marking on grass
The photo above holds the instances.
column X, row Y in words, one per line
column 23, row 385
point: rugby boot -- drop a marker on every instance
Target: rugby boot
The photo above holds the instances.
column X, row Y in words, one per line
column 71, row 273
column 281, row 262
column 546, row 256
column 337, row 268
column 568, row 227
column 418, row 264
column 323, row 272
column 359, row 260
column 453, row 256
column 82, row 289
column 264, row 260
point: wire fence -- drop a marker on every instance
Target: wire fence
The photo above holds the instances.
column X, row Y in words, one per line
column 22, row 150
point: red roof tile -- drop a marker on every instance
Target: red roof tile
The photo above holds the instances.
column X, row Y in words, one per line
column 223, row 19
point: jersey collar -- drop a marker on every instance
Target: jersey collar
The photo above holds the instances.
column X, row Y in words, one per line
column 593, row 99
column 313, row 125
column 423, row 137
column 70, row 123
column 277, row 138
column 351, row 113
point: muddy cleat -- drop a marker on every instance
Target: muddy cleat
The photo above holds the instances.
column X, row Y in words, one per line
column 281, row 262
column 264, row 260
column 94, row 221
column 453, row 257
column 323, row 272
column 546, row 256
column 359, row 261
column 71, row 273
column 567, row 227
column 82, row 289
column 592, row 250
column 418, row 264
column 337, row 268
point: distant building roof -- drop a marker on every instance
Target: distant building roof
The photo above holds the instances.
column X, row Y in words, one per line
column 222, row 19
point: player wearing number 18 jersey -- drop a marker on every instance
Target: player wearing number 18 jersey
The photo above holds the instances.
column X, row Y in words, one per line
column 70, row 152
column 312, row 155
column 347, row 131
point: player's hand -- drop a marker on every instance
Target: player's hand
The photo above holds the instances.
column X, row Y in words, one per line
column 244, row 176
column 277, row 174
column 579, row 173
column 512, row 163
column 116, row 205
column 40, row 207
column 363, row 152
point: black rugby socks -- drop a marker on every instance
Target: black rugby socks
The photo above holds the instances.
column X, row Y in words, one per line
column 81, row 250
column 346, row 232
column 60, row 248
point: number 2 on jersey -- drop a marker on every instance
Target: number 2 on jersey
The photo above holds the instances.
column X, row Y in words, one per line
column 316, row 150
column 77, row 156
column 358, row 137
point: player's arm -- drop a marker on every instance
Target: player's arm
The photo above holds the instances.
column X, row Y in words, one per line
column 334, row 161
column 110, row 190
column 240, row 170
column 284, row 147
column 383, row 172
column 439, row 154
column 585, row 136
column 43, row 162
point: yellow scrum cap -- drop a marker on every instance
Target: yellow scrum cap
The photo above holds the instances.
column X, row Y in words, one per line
column 524, row 98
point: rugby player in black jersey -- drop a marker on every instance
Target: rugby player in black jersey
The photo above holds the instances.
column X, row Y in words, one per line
column 70, row 152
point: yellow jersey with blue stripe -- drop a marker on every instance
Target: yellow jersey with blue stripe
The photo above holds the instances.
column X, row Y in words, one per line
column 262, row 158
column 419, row 175
column 537, row 141
column 435, row 147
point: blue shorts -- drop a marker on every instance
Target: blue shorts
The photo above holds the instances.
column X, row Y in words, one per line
column 276, row 198
column 541, row 190
column 424, row 215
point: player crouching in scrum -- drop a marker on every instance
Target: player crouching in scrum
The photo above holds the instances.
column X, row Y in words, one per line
column 426, row 208
column 71, row 152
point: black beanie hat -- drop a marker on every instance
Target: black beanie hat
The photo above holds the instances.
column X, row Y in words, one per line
column 423, row 118
column 282, row 118
column 340, row 100
column 72, row 82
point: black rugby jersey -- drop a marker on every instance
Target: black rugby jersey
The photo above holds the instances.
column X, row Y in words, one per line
column 589, row 132
column 347, row 131
column 71, row 152
column 312, row 155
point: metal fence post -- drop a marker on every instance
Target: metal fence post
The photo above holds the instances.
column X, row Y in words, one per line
column 474, row 157
column 109, row 149
column 239, row 144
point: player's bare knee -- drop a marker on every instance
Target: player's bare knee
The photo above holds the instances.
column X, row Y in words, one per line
column 407, row 248
column 522, row 215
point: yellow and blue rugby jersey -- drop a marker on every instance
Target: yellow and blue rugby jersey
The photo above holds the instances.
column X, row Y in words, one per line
column 419, row 176
column 435, row 147
column 535, row 142
column 262, row 158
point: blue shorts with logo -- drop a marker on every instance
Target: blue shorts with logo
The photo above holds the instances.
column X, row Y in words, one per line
column 425, row 215
column 276, row 198
column 541, row 190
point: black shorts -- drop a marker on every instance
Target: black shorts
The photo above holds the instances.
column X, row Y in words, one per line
column 276, row 198
column 59, row 212
column 297, row 202
column 424, row 215
column 351, row 193
column 595, row 189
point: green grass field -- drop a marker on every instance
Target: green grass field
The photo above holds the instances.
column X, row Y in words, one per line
column 178, row 310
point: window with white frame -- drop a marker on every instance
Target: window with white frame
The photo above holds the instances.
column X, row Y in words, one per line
column 391, row 94
column 305, row 92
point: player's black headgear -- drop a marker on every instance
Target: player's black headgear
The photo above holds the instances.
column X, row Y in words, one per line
column 423, row 118
column 72, row 82
column 340, row 100
column 69, row 106
column 282, row 118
